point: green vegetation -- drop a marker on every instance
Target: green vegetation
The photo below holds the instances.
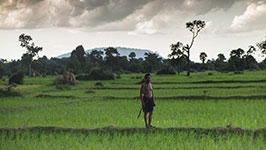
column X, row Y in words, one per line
column 208, row 110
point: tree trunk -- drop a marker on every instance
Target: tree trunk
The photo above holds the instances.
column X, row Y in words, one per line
column 188, row 65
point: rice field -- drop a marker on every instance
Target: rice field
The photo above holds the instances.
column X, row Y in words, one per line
column 208, row 110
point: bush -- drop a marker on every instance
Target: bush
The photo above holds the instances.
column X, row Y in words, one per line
column 9, row 91
column 82, row 77
column 97, row 74
column 166, row 71
column 100, row 74
column 17, row 78
column 210, row 73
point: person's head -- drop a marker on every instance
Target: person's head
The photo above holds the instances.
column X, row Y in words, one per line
column 147, row 77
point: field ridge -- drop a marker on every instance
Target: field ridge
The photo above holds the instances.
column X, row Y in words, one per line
column 213, row 130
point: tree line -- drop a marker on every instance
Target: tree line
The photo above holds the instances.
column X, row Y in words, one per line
column 178, row 60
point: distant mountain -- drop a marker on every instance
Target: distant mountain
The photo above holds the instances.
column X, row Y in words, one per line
column 123, row 51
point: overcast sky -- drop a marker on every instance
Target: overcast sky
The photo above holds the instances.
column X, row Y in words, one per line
column 60, row 25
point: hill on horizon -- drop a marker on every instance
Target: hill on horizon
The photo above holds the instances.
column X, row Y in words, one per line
column 123, row 51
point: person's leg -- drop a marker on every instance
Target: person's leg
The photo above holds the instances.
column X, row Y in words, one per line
column 150, row 118
column 145, row 118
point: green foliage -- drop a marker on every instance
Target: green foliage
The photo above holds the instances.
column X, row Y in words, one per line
column 97, row 74
column 166, row 71
column 2, row 70
column 17, row 78
column 9, row 91
column 82, row 77
column 135, row 67
column 100, row 74
column 73, row 64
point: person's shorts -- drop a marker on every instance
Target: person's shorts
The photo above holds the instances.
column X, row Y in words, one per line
column 149, row 104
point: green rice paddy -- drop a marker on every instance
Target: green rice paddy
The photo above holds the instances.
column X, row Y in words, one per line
column 189, row 110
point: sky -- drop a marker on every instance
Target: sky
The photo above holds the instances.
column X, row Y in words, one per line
column 59, row 26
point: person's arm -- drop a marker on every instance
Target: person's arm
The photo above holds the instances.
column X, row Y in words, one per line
column 141, row 97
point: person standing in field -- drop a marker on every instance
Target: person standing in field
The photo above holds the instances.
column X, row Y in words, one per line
column 147, row 100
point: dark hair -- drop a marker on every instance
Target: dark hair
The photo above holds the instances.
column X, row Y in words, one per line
column 146, row 75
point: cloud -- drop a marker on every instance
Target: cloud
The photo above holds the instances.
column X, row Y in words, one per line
column 254, row 18
column 136, row 16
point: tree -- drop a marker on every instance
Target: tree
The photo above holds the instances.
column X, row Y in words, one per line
column 2, row 67
column 111, row 55
column 237, row 53
column 250, row 61
column 236, row 61
column 32, row 50
column 262, row 46
column 2, row 70
column 132, row 56
column 80, row 53
column 195, row 27
column 177, row 54
column 219, row 63
column 221, row 58
column 26, row 59
column 203, row 57
column 96, row 56
column 73, row 64
column 152, row 62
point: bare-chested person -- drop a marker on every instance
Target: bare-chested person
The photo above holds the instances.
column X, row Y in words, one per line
column 147, row 100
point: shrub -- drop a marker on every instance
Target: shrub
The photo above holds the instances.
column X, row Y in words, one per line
column 82, row 77
column 9, row 91
column 210, row 73
column 17, row 78
column 100, row 74
column 166, row 71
